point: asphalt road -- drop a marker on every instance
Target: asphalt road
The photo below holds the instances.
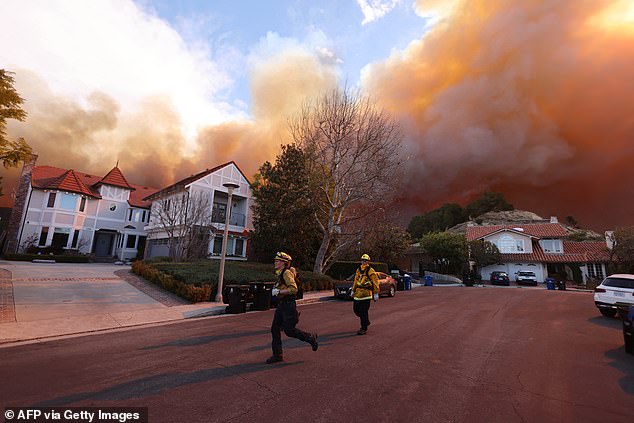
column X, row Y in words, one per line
column 435, row 354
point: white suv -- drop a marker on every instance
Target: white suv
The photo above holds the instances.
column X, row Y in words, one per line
column 615, row 293
column 526, row 277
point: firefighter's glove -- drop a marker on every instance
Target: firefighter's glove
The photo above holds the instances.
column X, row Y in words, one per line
column 275, row 292
column 376, row 297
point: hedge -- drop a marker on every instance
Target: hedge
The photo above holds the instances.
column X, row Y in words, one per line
column 205, row 274
column 58, row 258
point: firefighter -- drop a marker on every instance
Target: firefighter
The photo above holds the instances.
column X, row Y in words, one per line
column 364, row 289
column 286, row 316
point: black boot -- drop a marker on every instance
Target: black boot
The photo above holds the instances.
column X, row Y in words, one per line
column 274, row 359
column 313, row 342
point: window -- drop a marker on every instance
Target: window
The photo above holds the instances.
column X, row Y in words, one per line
column 595, row 270
column 218, row 213
column 68, row 202
column 507, row 244
column 131, row 243
column 239, row 247
column 519, row 245
column 143, row 219
column 551, row 245
column 130, row 215
column 75, row 238
column 43, row 236
column 82, row 204
column 60, row 237
column 137, row 215
column 112, row 207
column 217, row 245
column 51, row 199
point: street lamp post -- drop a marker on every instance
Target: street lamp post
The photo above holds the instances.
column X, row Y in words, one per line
column 221, row 273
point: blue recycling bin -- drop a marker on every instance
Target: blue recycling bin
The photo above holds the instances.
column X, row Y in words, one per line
column 429, row 281
column 407, row 282
column 550, row 284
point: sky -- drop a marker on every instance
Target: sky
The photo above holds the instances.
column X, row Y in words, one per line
column 532, row 98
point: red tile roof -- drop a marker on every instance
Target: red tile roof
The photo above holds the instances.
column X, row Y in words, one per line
column 69, row 181
column 537, row 230
column 574, row 252
column 116, row 178
column 49, row 177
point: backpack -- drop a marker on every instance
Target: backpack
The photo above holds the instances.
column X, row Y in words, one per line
column 298, row 282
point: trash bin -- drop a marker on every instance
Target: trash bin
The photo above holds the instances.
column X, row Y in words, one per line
column 429, row 281
column 561, row 285
column 628, row 331
column 261, row 294
column 400, row 284
column 237, row 298
column 550, row 284
column 407, row 282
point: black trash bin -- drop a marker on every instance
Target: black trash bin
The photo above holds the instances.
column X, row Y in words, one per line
column 628, row 329
column 237, row 298
column 261, row 294
column 400, row 284
column 561, row 285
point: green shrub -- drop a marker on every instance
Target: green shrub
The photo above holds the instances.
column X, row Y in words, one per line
column 60, row 258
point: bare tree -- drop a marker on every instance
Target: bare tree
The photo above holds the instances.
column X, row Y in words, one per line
column 353, row 149
column 186, row 220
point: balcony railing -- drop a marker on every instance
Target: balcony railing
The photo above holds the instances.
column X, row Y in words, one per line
column 236, row 219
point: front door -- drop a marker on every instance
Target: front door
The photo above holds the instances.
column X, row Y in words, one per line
column 103, row 244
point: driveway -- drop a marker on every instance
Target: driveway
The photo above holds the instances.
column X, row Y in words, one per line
column 43, row 291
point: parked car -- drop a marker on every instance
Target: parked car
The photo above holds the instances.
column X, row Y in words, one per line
column 526, row 277
column 387, row 286
column 614, row 294
column 500, row 278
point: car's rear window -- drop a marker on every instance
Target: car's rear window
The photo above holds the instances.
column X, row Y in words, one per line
column 619, row 282
column 527, row 274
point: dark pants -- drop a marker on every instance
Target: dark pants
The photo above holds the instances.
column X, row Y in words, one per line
column 285, row 319
column 361, row 309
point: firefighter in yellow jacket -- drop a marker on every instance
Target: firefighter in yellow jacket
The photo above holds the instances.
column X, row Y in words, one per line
column 286, row 316
column 364, row 289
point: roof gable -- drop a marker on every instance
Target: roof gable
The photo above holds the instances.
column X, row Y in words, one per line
column 69, row 181
column 536, row 230
column 115, row 177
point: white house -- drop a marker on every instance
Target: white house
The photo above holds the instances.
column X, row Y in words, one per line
column 210, row 184
column 59, row 210
column 543, row 249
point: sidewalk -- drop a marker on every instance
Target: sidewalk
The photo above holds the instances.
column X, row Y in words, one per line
column 44, row 330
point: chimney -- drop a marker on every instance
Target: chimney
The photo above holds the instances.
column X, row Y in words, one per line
column 609, row 239
column 20, row 206
column 553, row 219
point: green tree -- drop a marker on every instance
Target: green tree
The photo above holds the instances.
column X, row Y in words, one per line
column 11, row 152
column 448, row 251
column 386, row 242
column 437, row 220
column 284, row 211
column 487, row 202
column 484, row 253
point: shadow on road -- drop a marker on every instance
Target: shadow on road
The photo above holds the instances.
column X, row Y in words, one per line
column 624, row 363
column 606, row 322
column 202, row 340
column 155, row 385
column 324, row 340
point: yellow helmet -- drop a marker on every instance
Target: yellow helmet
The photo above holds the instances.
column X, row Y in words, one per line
column 365, row 257
column 283, row 257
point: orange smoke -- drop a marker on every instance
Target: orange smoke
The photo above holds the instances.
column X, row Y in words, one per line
column 534, row 97
column 149, row 143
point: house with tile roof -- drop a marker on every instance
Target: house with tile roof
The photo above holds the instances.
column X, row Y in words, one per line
column 210, row 185
column 542, row 248
column 67, row 210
